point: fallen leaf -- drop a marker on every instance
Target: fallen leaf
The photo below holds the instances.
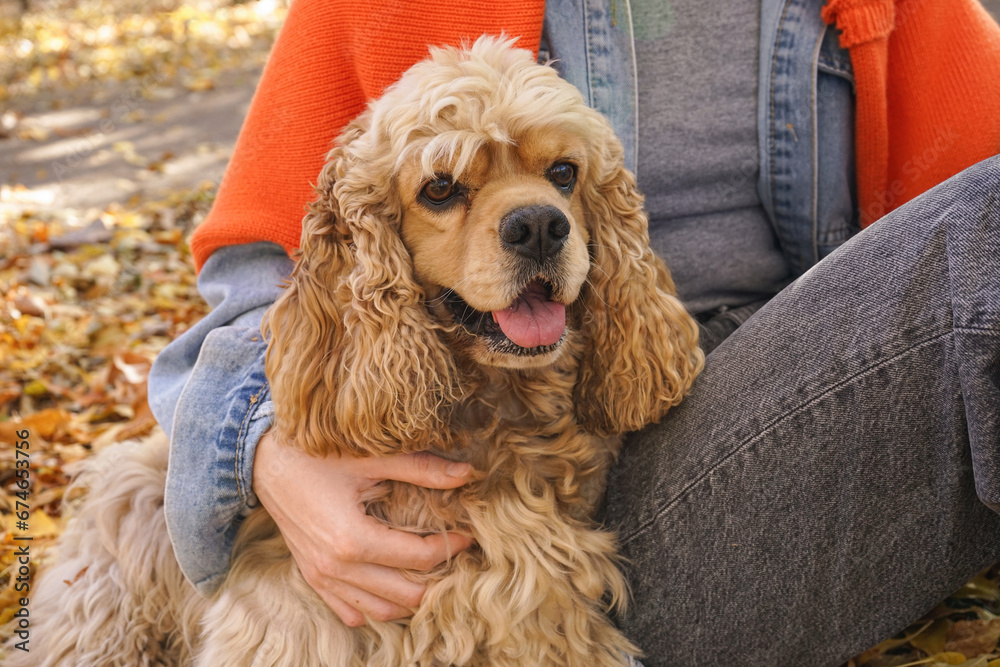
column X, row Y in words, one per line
column 30, row 305
column 200, row 84
column 8, row 394
column 77, row 577
column 36, row 388
column 33, row 133
column 932, row 640
column 40, row 524
column 972, row 638
column 45, row 423
column 93, row 234
column 134, row 367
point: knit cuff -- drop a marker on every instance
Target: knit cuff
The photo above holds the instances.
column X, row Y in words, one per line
column 860, row 21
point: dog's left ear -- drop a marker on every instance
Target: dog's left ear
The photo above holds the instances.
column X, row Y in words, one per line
column 354, row 360
column 642, row 352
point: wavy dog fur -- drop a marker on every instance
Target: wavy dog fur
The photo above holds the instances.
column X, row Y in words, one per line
column 366, row 357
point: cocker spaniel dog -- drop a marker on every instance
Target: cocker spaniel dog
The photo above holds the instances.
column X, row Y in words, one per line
column 475, row 280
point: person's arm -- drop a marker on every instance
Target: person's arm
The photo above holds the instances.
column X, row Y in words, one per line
column 208, row 391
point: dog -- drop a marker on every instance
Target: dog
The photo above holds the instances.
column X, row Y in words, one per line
column 475, row 280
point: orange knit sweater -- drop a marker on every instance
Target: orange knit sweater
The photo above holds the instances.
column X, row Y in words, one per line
column 927, row 77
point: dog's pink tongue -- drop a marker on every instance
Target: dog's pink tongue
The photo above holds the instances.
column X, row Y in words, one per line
column 533, row 320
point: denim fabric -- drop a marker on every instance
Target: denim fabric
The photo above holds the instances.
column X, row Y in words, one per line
column 805, row 118
column 805, row 110
column 832, row 473
column 835, row 217
column 592, row 43
column 715, row 326
column 208, row 391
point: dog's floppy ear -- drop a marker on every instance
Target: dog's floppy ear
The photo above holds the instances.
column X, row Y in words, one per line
column 354, row 360
column 642, row 352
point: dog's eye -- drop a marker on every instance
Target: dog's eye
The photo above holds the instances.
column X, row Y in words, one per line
column 563, row 175
column 439, row 189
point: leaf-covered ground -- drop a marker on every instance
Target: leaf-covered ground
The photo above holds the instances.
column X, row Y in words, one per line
column 90, row 293
column 94, row 283
column 83, row 312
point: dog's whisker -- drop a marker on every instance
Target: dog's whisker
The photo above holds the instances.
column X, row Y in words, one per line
column 593, row 244
column 601, row 269
column 441, row 298
column 597, row 293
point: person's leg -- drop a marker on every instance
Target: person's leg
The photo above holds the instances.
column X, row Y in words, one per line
column 817, row 490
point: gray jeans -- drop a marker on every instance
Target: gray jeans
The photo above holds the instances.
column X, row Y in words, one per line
column 831, row 475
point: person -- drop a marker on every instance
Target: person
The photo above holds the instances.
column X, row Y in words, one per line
column 835, row 470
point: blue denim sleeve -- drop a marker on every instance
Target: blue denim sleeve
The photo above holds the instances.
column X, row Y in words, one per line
column 209, row 393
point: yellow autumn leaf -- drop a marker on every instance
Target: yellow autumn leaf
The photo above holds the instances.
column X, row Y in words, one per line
column 33, row 133
column 39, row 524
column 931, row 641
column 44, row 423
column 136, row 160
column 36, row 388
column 200, row 84
column 122, row 147
column 979, row 587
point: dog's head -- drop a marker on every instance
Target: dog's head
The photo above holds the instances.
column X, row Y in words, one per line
column 478, row 211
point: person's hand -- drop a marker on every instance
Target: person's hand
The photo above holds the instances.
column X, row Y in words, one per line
column 350, row 559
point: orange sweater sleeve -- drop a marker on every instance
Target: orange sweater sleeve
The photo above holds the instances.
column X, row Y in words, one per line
column 330, row 58
column 928, row 93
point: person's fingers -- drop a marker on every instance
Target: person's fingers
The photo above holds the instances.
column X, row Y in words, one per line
column 423, row 469
column 372, row 606
column 350, row 616
column 351, row 603
column 385, row 582
column 350, row 559
column 378, row 544
column 317, row 580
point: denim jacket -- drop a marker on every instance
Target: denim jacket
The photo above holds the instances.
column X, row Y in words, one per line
column 208, row 389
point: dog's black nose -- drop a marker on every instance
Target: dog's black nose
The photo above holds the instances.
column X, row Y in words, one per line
column 536, row 232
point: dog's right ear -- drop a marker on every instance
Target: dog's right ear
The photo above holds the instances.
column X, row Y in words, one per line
column 304, row 327
column 354, row 360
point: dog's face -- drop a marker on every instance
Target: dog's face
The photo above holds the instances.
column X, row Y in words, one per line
column 488, row 156
column 501, row 248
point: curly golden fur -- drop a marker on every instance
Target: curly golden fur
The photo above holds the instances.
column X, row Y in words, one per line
column 479, row 184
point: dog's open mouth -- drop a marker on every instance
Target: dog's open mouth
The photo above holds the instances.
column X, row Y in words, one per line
column 532, row 324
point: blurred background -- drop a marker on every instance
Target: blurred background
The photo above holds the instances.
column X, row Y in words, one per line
column 117, row 118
